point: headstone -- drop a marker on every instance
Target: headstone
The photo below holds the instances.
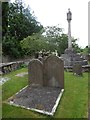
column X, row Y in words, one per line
column 77, row 69
column 35, row 72
column 46, row 86
column 70, row 58
column 54, row 72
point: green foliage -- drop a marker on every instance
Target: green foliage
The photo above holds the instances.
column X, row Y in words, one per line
column 57, row 40
column 21, row 23
column 18, row 82
column 75, row 46
column 62, row 43
column 11, row 47
column 5, row 9
column 53, row 31
column 51, row 38
column 23, row 66
column 86, row 50
column 34, row 43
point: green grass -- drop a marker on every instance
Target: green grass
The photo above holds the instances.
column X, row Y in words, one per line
column 73, row 104
column 14, row 84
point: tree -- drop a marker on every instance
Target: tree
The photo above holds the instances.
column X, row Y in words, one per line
column 51, row 38
column 75, row 46
column 5, row 9
column 34, row 43
column 57, row 40
column 62, row 43
column 86, row 50
column 21, row 23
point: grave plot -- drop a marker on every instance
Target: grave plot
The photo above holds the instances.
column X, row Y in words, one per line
column 41, row 99
column 46, row 86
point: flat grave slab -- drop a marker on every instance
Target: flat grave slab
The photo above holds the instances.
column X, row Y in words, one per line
column 41, row 99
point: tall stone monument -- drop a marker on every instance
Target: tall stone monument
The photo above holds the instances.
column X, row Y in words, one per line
column 69, row 18
column 70, row 57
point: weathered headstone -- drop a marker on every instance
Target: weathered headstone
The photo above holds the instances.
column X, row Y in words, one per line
column 46, row 86
column 35, row 72
column 77, row 69
column 54, row 72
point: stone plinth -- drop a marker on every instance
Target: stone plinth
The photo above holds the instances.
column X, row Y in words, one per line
column 70, row 58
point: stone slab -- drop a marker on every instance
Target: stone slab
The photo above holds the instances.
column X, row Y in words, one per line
column 41, row 99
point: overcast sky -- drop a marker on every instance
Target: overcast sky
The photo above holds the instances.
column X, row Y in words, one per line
column 53, row 12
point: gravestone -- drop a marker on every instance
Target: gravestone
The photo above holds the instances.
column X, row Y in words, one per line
column 70, row 58
column 77, row 69
column 54, row 72
column 46, row 86
column 35, row 72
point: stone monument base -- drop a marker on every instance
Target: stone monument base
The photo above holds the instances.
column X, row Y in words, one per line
column 70, row 58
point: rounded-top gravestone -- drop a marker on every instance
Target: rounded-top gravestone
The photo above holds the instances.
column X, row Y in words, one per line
column 35, row 72
column 54, row 72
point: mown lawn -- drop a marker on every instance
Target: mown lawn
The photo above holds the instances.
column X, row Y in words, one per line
column 73, row 104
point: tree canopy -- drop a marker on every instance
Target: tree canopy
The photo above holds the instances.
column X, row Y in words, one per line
column 50, row 39
column 19, row 23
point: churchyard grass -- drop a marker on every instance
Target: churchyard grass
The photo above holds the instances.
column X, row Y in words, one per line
column 73, row 104
column 14, row 84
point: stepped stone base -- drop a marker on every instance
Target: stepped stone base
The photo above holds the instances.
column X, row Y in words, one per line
column 70, row 58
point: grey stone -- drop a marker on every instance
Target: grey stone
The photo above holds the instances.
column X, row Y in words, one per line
column 46, row 83
column 40, row 58
column 54, row 72
column 41, row 98
column 70, row 58
column 35, row 72
column 77, row 69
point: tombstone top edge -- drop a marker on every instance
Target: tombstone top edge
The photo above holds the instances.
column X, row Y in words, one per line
column 53, row 56
column 35, row 60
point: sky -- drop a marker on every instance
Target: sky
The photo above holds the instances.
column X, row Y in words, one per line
column 54, row 12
